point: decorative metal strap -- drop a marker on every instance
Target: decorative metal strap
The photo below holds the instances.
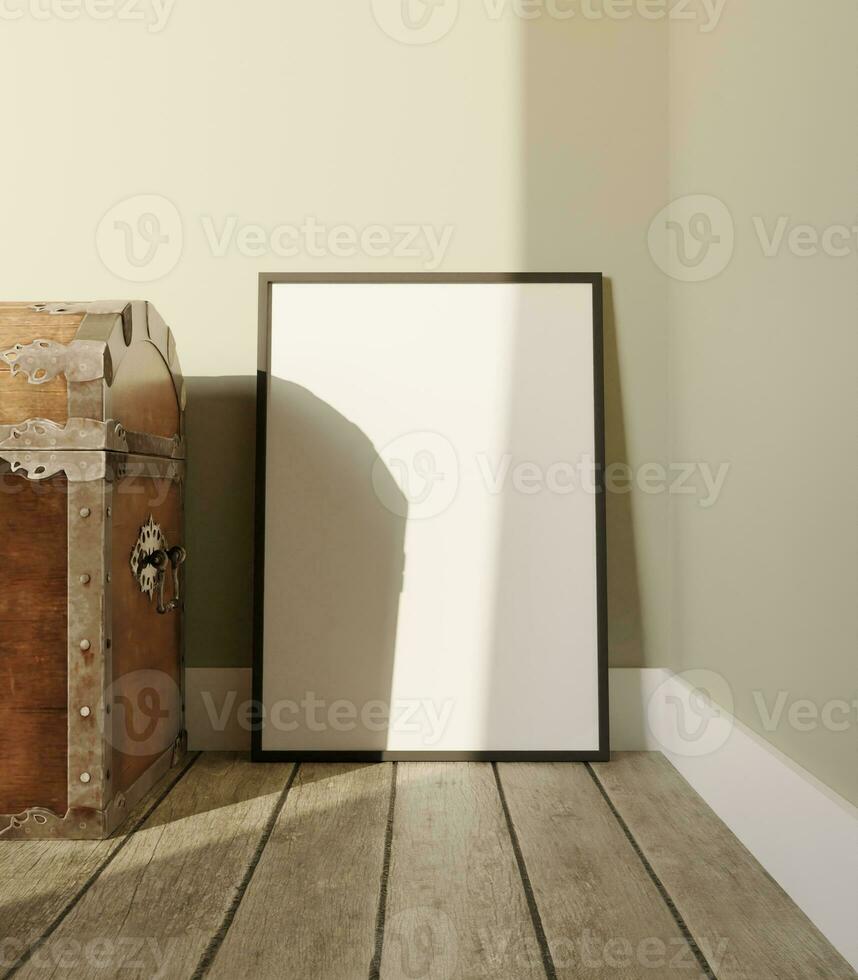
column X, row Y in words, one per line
column 37, row 823
column 99, row 306
column 43, row 360
column 38, row 815
column 83, row 466
column 88, row 434
column 75, row 434
column 79, row 467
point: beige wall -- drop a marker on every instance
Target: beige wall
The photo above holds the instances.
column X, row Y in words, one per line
column 537, row 144
column 527, row 139
column 763, row 375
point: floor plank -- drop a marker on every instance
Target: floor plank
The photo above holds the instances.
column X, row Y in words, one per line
column 39, row 878
column 716, row 883
column 155, row 907
column 455, row 903
column 603, row 917
column 310, row 909
column 456, row 906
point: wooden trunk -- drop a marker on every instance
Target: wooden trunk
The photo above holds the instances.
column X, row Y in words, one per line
column 91, row 495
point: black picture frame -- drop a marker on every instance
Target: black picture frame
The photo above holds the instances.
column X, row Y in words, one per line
column 266, row 281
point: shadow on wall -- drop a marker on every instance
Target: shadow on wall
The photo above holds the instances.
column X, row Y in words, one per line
column 332, row 595
column 625, row 627
column 220, row 425
column 335, row 598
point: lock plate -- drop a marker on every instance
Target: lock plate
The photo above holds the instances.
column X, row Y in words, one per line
column 150, row 540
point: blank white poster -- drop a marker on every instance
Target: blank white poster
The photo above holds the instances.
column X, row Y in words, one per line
column 431, row 547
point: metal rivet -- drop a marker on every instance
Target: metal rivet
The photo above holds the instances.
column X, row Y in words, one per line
column 108, row 643
column 107, row 709
column 85, row 512
column 109, row 512
column 108, row 576
column 85, row 777
column 85, row 580
column 85, row 711
column 85, row 644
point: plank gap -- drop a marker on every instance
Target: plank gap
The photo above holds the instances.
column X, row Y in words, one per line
column 659, row 884
column 533, row 908
column 375, row 965
column 216, row 941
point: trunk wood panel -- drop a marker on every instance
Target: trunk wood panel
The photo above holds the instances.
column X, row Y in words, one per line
column 141, row 639
column 19, row 399
column 33, row 629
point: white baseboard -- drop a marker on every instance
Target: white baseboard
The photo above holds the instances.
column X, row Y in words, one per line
column 803, row 833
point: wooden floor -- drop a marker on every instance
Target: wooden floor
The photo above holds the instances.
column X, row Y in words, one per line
column 407, row 871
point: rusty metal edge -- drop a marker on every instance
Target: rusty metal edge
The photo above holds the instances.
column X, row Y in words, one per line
column 86, row 823
column 87, row 435
column 88, row 509
column 88, row 467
